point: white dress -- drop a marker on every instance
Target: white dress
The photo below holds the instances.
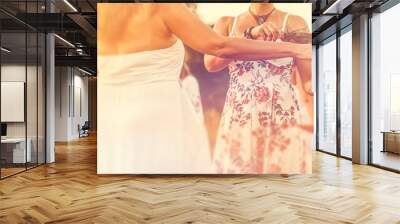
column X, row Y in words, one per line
column 146, row 123
column 191, row 87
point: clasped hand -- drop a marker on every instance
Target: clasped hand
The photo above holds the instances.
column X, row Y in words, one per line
column 268, row 32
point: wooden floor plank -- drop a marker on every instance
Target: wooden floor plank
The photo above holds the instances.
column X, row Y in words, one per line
column 70, row 191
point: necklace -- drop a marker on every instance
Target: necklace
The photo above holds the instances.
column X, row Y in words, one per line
column 261, row 18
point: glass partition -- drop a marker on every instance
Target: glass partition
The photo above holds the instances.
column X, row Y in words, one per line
column 32, row 97
column 22, row 88
column 14, row 153
column 41, row 107
column 33, row 64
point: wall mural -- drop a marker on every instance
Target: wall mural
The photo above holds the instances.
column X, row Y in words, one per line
column 204, row 88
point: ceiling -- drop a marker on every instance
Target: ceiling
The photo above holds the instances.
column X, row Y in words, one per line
column 75, row 21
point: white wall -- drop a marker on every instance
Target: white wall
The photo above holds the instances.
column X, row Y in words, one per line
column 71, row 93
column 80, row 112
column 62, row 81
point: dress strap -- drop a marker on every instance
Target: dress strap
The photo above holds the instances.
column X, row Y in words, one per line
column 285, row 22
column 232, row 33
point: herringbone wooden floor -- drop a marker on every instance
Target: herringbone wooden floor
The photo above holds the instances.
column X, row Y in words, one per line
column 69, row 191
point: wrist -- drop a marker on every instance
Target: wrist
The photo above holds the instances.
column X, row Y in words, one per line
column 251, row 32
column 248, row 33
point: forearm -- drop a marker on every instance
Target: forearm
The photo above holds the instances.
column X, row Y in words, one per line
column 304, row 85
column 304, row 68
column 300, row 37
column 243, row 49
column 214, row 63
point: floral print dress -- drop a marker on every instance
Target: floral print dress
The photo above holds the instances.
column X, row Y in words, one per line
column 258, row 130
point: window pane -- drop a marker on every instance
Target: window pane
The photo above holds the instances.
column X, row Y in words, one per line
column 385, row 114
column 314, row 74
column 327, row 96
column 346, row 94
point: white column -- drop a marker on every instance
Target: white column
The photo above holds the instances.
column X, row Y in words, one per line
column 50, row 92
column 360, row 90
column 50, row 99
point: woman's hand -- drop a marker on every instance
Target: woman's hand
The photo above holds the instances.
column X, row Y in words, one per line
column 267, row 31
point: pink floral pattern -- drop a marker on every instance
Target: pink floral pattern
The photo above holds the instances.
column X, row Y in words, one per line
column 258, row 130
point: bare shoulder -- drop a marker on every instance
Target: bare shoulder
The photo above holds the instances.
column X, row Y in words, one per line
column 297, row 23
